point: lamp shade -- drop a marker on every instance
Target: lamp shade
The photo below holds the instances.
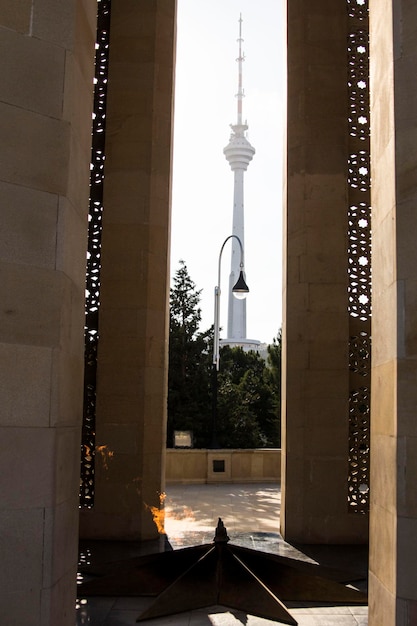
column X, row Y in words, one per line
column 240, row 289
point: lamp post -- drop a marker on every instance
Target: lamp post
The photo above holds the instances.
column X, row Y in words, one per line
column 239, row 290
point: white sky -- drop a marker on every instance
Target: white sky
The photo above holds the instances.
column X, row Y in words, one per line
column 205, row 106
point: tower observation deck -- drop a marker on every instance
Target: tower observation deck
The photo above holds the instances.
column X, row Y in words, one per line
column 239, row 153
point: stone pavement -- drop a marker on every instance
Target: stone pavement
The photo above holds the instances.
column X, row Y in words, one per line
column 250, row 513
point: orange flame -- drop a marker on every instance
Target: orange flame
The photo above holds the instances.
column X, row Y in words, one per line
column 158, row 514
column 88, row 456
column 106, row 455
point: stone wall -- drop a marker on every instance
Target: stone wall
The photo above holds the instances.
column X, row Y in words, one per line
column 393, row 518
column 132, row 354
column 316, row 320
column 233, row 466
column 46, row 99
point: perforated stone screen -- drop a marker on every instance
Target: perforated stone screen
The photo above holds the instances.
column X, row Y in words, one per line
column 359, row 255
column 92, row 289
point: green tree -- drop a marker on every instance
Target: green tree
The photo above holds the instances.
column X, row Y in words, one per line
column 274, row 361
column 248, row 414
column 274, row 376
column 189, row 387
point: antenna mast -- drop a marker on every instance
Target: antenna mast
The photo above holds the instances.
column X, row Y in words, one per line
column 240, row 92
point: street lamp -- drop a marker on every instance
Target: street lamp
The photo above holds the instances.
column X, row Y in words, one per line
column 239, row 290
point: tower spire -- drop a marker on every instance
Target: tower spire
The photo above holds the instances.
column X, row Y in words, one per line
column 240, row 92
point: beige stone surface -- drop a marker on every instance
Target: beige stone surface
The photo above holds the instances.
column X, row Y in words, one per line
column 66, row 24
column 57, row 601
column 394, row 157
column 196, row 465
column 44, row 171
column 132, row 378
column 28, row 370
column 78, row 91
column 336, row 356
column 272, row 465
column 189, row 467
column 384, row 397
column 67, row 376
column 32, row 72
column 34, row 149
column 57, row 522
column 123, row 437
column 79, row 176
column 21, row 546
column 33, row 486
column 16, row 15
column 66, row 473
column 383, row 479
column 316, row 321
column 28, row 233
column 32, row 301
column 246, row 464
column 71, row 242
column 382, row 604
column 21, row 542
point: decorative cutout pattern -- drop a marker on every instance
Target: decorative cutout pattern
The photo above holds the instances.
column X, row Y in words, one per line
column 358, row 70
column 357, row 9
column 360, row 354
column 359, row 269
column 359, row 171
column 359, row 256
column 92, row 290
column 358, row 486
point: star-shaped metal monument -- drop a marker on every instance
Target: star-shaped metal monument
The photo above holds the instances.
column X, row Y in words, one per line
column 220, row 573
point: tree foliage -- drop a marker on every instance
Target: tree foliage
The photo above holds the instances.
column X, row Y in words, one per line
column 189, row 390
column 248, row 411
column 274, row 361
column 249, row 387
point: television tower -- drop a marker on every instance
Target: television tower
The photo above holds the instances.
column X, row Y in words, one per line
column 239, row 154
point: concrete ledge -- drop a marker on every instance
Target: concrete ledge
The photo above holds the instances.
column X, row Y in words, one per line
column 223, row 466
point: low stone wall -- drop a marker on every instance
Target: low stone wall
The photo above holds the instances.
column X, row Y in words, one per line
column 229, row 466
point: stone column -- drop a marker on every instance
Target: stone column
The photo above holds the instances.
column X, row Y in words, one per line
column 393, row 521
column 47, row 52
column 133, row 319
column 316, row 320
